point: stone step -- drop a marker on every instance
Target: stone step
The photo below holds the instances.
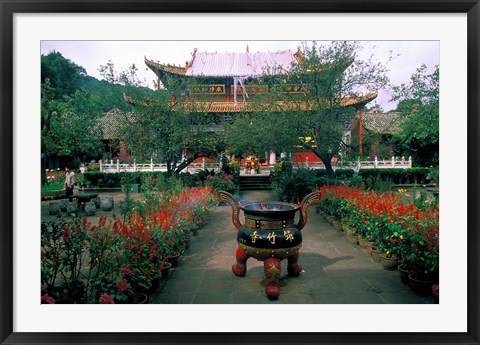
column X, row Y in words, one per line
column 255, row 182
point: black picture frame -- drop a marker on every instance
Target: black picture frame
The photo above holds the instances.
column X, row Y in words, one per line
column 7, row 10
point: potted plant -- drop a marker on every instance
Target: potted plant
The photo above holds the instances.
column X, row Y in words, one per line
column 424, row 253
column 436, row 292
column 139, row 252
column 118, row 288
column 63, row 255
column 51, row 252
column 104, row 248
column 352, row 219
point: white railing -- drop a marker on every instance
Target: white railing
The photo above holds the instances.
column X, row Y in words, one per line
column 394, row 163
column 116, row 167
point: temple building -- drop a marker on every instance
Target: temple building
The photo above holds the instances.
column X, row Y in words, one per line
column 223, row 84
column 375, row 131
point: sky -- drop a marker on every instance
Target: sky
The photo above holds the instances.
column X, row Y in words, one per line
column 408, row 56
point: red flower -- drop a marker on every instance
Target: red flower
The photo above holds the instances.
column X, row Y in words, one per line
column 46, row 299
column 126, row 270
column 435, row 290
column 122, row 286
column 106, row 299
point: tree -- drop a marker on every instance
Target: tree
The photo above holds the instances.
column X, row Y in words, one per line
column 65, row 76
column 327, row 78
column 68, row 114
column 70, row 126
column 419, row 101
column 157, row 127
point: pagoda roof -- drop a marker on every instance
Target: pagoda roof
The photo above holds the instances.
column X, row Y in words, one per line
column 159, row 68
column 207, row 64
column 241, row 64
column 231, row 107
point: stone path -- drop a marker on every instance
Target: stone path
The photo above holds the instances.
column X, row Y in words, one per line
column 335, row 271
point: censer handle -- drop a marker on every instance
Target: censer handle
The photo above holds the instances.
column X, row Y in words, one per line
column 306, row 202
column 229, row 198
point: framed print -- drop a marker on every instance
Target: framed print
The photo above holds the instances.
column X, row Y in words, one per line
column 33, row 29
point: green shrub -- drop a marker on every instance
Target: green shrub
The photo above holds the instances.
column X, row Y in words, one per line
column 190, row 180
column 294, row 186
column 202, row 174
column 396, row 176
column 221, row 181
column 344, row 173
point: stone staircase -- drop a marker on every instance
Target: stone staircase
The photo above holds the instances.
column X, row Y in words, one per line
column 255, row 182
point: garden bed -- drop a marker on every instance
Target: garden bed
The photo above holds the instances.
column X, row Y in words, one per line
column 402, row 231
column 113, row 260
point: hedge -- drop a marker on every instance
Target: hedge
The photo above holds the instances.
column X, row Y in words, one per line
column 396, row 176
column 114, row 180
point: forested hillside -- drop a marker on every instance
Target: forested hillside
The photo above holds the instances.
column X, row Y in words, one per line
column 71, row 105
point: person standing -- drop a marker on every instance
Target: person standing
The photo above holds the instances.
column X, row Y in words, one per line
column 69, row 182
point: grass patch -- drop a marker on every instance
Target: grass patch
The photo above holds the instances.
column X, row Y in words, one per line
column 52, row 186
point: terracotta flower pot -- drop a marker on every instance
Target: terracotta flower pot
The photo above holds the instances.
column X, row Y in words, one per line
column 173, row 259
column 140, row 298
column 376, row 254
column 349, row 231
column 165, row 270
column 388, row 262
column 369, row 245
column 352, row 239
column 362, row 242
column 337, row 225
column 421, row 284
column 404, row 271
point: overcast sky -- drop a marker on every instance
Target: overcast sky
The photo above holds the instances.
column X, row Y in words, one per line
column 409, row 55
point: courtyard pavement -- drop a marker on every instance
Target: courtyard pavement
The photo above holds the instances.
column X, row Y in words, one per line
column 334, row 271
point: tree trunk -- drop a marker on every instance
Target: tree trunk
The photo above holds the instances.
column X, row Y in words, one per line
column 183, row 165
column 43, row 166
column 169, row 167
column 187, row 162
column 327, row 161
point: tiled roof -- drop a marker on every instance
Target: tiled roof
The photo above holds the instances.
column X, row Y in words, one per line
column 112, row 122
column 230, row 64
column 231, row 107
column 157, row 67
column 378, row 122
column 241, row 64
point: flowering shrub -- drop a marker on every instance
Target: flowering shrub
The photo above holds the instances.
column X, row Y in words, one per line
column 397, row 228
column 423, row 251
column 46, row 299
column 106, row 299
column 64, row 249
column 117, row 258
column 221, row 181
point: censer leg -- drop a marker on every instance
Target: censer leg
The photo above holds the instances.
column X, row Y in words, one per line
column 240, row 268
column 293, row 267
column 272, row 268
